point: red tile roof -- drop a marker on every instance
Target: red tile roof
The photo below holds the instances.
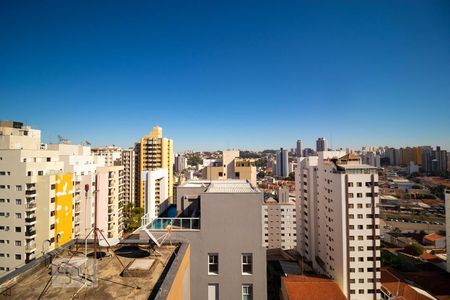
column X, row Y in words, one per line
column 311, row 288
column 432, row 237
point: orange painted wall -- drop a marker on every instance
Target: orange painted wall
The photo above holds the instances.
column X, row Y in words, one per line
column 63, row 211
column 177, row 289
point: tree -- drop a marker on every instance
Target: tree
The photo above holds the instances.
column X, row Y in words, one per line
column 194, row 160
column 413, row 249
column 261, row 162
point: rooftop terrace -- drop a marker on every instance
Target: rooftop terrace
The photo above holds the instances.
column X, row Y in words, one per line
column 143, row 272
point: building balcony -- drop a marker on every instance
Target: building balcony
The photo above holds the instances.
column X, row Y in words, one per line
column 29, row 257
column 31, row 205
column 30, row 192
column 30, row 233
column 30, row 220
column 30, row 247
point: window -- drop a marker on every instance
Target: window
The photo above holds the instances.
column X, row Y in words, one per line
column 53, row 186
column 247, row 263
column 247, row 292
column 18, row 215
column 40, row 173
column 359, row 184
column 350, row 184
column 18, row 243
column 237, row 174
column 213, row 291
column 213, row 263
column 18, row 256
column 18, row 188
column 220, row 174
column 359, row 195
column 18, row 201
column 18, row 229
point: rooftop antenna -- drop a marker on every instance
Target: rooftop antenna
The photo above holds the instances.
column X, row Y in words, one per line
column 63, row 140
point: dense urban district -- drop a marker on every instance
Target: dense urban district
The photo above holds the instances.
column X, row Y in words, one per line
column 78, row 221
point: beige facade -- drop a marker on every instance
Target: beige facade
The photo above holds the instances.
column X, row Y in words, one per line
column 231, row 167
column 128, row 163
column 154, row 152
column 27, row 195
column 279, row 228
column 111, row 154
column 109, row 211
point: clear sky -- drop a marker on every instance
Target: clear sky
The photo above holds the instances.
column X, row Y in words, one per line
column 251, row 75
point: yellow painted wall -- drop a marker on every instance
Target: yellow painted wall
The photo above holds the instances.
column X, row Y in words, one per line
column 177, row 288
column 63, row 212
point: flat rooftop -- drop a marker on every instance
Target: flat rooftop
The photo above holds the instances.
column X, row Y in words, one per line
column 145, row 269
column 222, row 186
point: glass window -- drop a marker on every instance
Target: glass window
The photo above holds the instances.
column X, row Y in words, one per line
column 213, row 263
column 247, row 261
column 247, row 292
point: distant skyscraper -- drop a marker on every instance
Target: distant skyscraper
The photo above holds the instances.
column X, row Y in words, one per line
column 299, row 148
column 282, row 168
column 180, row 162
column 321, row 145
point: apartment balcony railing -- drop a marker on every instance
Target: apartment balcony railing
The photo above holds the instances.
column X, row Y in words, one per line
column 176, row 224
column 30, row 247
column 30, row 192
column 30, row 233
column 30, row 219
column 30, row 205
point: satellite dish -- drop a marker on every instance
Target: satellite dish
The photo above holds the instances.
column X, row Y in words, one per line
column 109, row 242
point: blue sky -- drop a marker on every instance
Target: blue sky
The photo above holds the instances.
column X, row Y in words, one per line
column 251, row 75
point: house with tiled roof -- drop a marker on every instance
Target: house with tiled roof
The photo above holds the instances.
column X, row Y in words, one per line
column 435, row 240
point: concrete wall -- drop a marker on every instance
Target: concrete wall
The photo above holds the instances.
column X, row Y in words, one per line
column 231, row 224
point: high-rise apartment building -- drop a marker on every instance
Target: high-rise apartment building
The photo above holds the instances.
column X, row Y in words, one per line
column 321, row 144
column 156, row 196
column 282, row 166
column 79, row 161
column 111, row 154
column 231, row 166
column 299, row 148
column 279, row 227
column 154, row 152
column 338, row 221
column 447, row 225
column 180, row 162
column 128, row 161
column 109, row 194
column 31, row 187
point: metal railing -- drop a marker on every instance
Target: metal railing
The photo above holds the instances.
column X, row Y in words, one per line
column 176, row 224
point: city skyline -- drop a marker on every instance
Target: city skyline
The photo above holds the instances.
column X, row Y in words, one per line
column 229, row 76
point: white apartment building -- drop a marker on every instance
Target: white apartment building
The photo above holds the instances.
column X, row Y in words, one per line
column 79, row 161
column 447, row 225
column 338, row 221
column 27, row 195
column 156, row 191
column 112, row 154
column 109, row 193
column 279, row 226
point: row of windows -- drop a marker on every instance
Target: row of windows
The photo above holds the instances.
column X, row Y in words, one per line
column 17, row 243
column 246, row 263
column 370, row 291
column 360, row 195
column 213, row 291
column 17, row 256
column 7, row 187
